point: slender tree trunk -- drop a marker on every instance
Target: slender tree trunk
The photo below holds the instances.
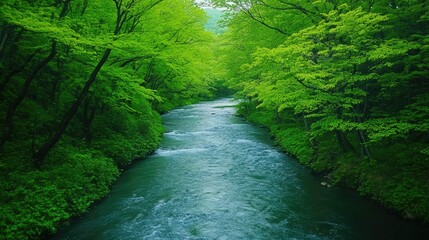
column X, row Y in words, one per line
column 15, row 71
column 84, row 7
column 40, row 155
column 364, row 148
column 313, row 141
column 365, row 152
column 8, row 128
column 8, row 41
column 306, row 125
column 340, row 141
column 3, row 37
column 65, row 9
column 344, row 143
column 122, row 16
column 348, row 144
column 87, row 118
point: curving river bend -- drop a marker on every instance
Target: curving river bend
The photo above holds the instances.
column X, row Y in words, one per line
column 217, row 177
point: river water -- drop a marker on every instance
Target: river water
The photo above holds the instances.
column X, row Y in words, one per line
column 215, row 176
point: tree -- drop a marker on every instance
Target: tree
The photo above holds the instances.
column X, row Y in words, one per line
column 23, row 23
column 342, row 92
column 128, row 18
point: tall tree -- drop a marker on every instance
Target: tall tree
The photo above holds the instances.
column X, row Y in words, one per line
column 128, row 15
column 8, row 126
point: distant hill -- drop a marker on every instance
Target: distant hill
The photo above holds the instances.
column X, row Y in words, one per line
column 213, row 23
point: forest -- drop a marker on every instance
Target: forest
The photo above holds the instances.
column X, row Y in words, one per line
column 342, row 85
column 82, row 87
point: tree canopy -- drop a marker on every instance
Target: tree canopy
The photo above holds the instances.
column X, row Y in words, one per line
column 82, row 84
column 343, row 86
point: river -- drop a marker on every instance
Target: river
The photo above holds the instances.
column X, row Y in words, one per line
column 215, row 176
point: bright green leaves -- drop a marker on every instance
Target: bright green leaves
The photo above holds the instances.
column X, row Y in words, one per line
column 325, row 70
column 178, row 64
column 335, row 72
column 412, row 119
column 351, row 79
column 87, row 79
column 390, row 49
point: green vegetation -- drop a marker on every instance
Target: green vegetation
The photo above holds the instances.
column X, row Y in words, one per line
column 82, row 84
column 343, row 85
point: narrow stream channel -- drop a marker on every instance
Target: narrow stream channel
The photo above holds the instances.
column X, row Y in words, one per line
column 215, row 176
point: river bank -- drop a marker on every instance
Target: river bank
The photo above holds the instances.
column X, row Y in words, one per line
column 35, row 202
column 396, row 177
column 217, row 176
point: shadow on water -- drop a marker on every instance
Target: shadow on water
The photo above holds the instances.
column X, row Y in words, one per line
column 217, row 177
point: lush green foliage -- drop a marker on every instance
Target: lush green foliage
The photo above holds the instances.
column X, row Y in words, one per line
column 82, row 84
column 341, row 84
column 343, row 87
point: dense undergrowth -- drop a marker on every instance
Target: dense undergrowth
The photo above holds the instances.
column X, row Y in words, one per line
column 36, row 202
column 82, row 86
column 396, row 176
column 343, row 86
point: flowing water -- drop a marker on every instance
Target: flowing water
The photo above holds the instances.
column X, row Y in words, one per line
column 215, row 176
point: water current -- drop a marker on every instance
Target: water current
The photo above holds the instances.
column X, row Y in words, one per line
column 215, row 176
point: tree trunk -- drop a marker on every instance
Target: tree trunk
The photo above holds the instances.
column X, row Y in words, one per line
column 87, row 119
column 122, row 15
column 3, row 37
column 8, row 128
column 365, row 152
column 314, row 143
column 84, row 7
column 40, row 155
column 344, row 143
column 340, row 141
column 15, row 71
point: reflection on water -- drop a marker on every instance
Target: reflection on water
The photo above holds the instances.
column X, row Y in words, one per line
column 217, row 177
